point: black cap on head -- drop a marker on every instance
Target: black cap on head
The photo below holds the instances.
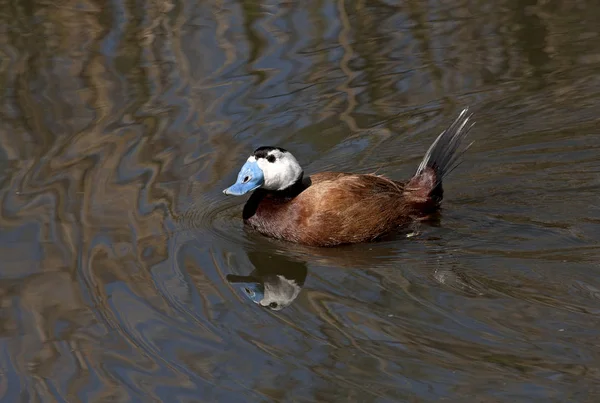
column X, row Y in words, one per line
column 262, row 152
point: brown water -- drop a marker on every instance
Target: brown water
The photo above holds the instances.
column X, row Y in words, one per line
column 121, row 123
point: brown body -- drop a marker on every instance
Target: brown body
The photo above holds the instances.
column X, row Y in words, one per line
column 332, row 208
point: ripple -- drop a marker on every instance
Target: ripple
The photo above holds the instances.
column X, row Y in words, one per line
column 216, row 217
column 121, row 124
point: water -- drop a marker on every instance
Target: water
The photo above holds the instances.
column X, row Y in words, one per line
column 121, row 123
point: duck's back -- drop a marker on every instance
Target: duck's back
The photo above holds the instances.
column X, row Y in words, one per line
column 336, row 208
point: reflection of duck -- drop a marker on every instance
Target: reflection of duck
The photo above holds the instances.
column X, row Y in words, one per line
column 279, row 276
column 275, row 282
column 332, row 208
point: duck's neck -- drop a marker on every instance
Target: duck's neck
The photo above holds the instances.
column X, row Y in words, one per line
column 294, row 189
column 276, row 196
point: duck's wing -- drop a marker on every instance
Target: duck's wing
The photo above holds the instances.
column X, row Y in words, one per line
column 348, row 208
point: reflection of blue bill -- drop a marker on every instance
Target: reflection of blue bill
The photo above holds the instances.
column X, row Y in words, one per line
column 254, row 291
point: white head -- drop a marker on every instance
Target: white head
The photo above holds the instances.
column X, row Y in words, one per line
column 270, row 168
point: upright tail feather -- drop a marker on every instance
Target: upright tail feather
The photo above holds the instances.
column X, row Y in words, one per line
column 441, row 159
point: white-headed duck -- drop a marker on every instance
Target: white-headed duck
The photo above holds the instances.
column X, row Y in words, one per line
column 334, row 208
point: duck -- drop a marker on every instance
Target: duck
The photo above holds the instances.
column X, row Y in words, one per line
column 328, row 209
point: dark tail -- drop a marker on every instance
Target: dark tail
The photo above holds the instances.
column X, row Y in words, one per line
column 441, row 159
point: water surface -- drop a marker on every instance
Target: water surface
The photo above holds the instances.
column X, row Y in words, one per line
column 121, row 122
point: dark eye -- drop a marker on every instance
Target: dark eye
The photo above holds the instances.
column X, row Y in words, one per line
column 246, row 179
column 271, row 158
column 273, row 305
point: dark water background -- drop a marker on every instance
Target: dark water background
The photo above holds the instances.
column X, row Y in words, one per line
column 122, row 121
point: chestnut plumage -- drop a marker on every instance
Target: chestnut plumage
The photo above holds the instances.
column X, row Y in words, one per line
column 331, row 208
